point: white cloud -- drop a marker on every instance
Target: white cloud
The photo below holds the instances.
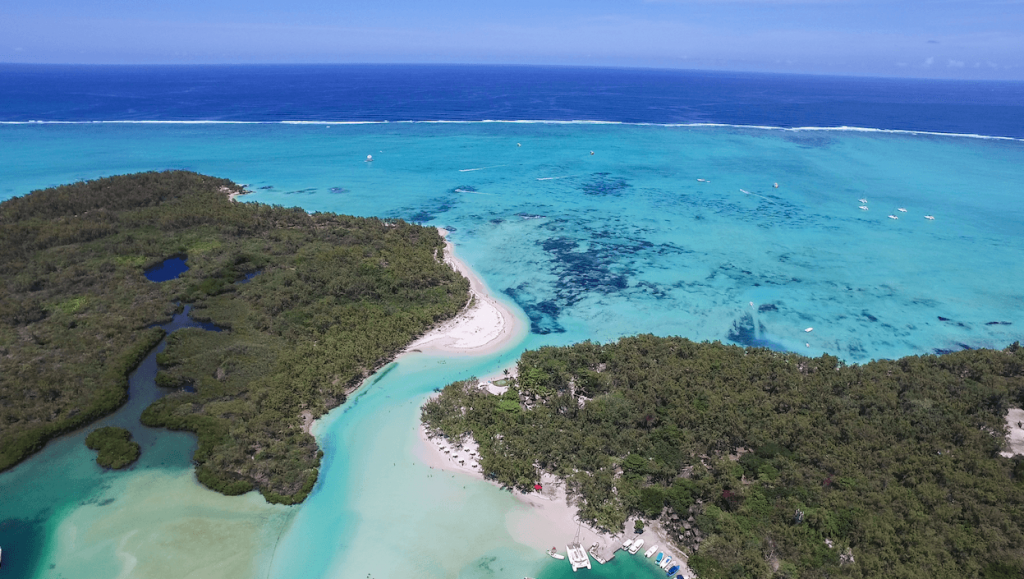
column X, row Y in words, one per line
column 929, row 61
column 956, row 63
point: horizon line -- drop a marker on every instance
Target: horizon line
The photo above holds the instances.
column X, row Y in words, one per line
column 511, row 65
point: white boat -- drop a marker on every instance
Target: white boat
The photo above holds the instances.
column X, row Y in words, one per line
column 577, row 556
column 901, row 210
column 650, row 552
column 893, row 217
column 554, row 554
column 863, row 200
column 929, row 218
column 636, row 546
column 665, row 562
column 809, row 330
column 863, row 208
column 627, row 543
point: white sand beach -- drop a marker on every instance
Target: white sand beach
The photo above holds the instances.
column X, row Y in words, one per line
column 483, row 327
column 549, row 519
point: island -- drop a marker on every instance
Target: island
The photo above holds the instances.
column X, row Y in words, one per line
column 758, row 463
column 299, row 309
column 115, row 447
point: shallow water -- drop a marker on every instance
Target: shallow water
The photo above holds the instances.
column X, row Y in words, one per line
column 65, row 516
column 598, row 246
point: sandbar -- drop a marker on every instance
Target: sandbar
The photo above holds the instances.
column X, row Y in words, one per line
column 484, row 326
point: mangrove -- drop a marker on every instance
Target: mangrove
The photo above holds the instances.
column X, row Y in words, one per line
column 309, row 305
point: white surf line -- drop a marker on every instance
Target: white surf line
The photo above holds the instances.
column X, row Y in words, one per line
column 841, row 128
column 553, row 178
column 481, row 168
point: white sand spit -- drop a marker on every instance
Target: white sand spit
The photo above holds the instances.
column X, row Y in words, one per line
column 484, row 326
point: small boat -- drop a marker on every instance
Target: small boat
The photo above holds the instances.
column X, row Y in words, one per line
column 666, row 562
column 776, row 185
column 863, row 208
column 627, row 543
column 636, row 546
column 369, row 158
column 702, row 180
column 863, row 200
column 901, row 210
column 650, row 552
column 893, row 217
column 929, row 218
column 554, row 553
column 673, row 570
column 661, row 555
column 809, row 330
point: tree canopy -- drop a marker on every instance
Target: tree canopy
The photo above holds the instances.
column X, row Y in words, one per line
column 115, row 447
column 769, row 464
column 309, row 304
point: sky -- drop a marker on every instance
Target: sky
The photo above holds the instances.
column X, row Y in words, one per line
column 959, row 39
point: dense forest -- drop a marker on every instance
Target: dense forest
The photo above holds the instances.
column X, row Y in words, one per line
column 308, row 305
column 769, row 464
column 115, row 447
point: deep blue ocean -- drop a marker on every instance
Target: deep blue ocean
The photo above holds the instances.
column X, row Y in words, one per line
column 473, row 93
column 864, row 218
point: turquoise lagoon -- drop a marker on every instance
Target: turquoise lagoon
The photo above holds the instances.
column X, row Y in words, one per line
column 584, row 246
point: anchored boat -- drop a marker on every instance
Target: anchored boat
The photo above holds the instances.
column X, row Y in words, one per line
column 577, row 556
column 636, row 546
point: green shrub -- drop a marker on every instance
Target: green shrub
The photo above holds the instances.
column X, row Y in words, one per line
column 115, row 446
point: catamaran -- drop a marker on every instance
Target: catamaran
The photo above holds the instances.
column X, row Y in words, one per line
column 577, row 556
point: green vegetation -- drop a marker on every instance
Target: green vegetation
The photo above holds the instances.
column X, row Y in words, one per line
column 336, row 298
column 115, row 446
column 756, row 461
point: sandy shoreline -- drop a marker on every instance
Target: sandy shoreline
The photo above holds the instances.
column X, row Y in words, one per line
column 548, row 519
column 484, row 326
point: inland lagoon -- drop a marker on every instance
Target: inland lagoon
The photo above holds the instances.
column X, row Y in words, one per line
column 583, row 231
